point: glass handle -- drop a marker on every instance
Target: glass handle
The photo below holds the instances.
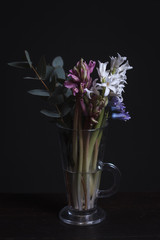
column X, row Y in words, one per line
column 116, row 180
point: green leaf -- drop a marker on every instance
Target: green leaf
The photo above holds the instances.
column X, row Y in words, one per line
column 60, row 73
column 61, row 81
column 57, row 62
column 39, row 92
column 68, row 93
column 22, row 65
column 41, row 67
column 59, row 99
column 28, row 58
column 52, row 83
column 49, row 70
column 58, row 90
column 65, row 109
column 57, row 95
column 49, row 113
column 32, row 78
column 56, row 99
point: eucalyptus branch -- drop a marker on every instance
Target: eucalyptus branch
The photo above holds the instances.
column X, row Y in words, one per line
column 40, row 79
column 59, row 112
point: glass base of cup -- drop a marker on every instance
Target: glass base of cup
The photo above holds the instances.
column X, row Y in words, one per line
column 82, row 218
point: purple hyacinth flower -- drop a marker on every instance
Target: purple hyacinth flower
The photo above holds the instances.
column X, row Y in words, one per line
column 72, row 85
column 80, row 77
column 118, row 108
column 116, row 105
column 121, row 116
column 90, row 68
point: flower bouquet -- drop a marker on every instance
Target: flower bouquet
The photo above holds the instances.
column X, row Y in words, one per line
column 81, row 107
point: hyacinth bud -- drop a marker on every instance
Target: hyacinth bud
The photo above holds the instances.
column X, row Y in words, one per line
column 79, row 77
column 83, row 69
column 93, row 120
column 95, row 107
column 90, row 108
column 81, row 87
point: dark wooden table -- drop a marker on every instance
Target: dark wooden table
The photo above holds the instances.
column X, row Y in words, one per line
column 35, row 216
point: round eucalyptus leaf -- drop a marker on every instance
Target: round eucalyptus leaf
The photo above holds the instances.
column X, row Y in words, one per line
column 50, row 113
column 32, row 78
column 39, row 92
column 49, row 70
column 41, row 67
column 65, row 109
column 57, row 62
column 60, row 73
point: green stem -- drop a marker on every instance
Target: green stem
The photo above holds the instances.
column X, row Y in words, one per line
column 75, row 157
column 75, row 140
column 86, row 147
column 80, row 144
column 94, row 138
column 86, row 175
column 89, row 147
column 96, row 150
column 79, row 170
column 95, row 155
column 95, row 176
column 40, row 79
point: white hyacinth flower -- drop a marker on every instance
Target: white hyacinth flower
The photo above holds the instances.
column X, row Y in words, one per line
column 123, row 68
column 116, row 65
column 116, row 62
column 106, row 80
column 102, row 70
column 94, row 89
column 113, row 80
column 109, row 85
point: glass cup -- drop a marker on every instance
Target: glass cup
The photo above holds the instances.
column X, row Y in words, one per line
column 82, row 153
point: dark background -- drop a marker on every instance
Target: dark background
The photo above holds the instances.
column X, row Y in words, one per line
column 92, row 30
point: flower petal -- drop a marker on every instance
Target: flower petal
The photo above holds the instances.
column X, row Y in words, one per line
column 91, row 66
column 70, row 84
column 88, row 92
column 112, row 88
column 74, row 77
column 107, row 91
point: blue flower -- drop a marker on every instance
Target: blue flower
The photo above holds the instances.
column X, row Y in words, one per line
column 116, row 105
column 118, row 109
column 121, row 116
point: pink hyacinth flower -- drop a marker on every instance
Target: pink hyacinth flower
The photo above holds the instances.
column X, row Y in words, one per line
column 80, row 77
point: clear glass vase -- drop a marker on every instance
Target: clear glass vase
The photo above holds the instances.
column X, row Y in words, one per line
column 82, row 153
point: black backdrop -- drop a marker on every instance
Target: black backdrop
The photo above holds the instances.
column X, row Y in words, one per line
column 92, row 30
